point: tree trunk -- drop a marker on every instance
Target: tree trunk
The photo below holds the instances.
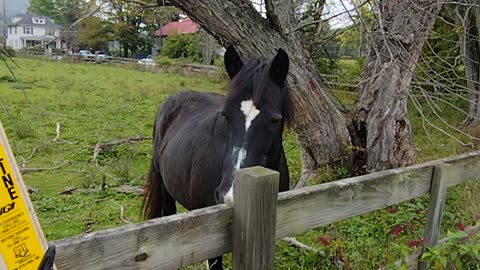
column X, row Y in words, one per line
column 380, row 128
column 208, row 49
column 471, row 52
column 320, row 127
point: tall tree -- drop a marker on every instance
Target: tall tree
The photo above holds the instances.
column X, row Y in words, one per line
column 63, row 12
column 133, row 25
column 469, row 18
column 94, row 33
column 379, row 128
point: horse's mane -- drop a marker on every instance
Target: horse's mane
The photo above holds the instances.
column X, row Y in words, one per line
column 252, row 80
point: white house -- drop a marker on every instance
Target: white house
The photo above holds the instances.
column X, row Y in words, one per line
column 28, row 30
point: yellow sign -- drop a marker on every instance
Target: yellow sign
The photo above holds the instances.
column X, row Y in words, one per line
column 22, row 245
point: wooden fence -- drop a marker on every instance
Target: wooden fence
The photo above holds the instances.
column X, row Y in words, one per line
column 180, row 240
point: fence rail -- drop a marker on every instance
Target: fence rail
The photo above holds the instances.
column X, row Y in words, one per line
column 180, row 240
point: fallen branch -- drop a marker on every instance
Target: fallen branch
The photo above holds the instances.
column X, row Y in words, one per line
column 67, row 191
column 294, row 242
column 28, row 170
column 24, row 161
column 129, row 189
column 57, row 131
column 123, row 218
column 121, row 189
column 99, row 147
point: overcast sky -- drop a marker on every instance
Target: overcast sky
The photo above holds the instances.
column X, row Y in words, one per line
column 15, row 6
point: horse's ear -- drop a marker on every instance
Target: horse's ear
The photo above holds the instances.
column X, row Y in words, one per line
column 233, row 62
column 279, row 67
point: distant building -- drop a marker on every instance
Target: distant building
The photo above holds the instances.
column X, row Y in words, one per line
column 29, row 30
column 184, row 26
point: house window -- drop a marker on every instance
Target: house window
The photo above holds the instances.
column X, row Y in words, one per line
column 49, row 31
column 38, row 21
column 27, row 30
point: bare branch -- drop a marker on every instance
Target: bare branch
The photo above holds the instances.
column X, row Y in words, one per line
column 28, row 170
column 100, row 146
column 294, row 242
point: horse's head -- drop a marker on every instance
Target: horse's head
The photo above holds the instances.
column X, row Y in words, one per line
column 255, row 111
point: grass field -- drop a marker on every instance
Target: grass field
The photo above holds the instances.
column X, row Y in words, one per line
column 104, row 103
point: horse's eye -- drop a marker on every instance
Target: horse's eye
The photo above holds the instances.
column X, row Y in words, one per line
column 275, row 119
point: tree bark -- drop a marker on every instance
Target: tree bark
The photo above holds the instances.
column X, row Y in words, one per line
column 379, row 127
column 320, row 127
column 471, row 52
column 208, row 48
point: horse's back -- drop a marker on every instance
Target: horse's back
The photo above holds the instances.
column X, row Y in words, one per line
column 182, row 106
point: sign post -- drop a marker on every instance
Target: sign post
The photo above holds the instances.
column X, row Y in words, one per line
column 22, row 243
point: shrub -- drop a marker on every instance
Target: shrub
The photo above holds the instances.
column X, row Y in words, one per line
column 186, row 46
column 165, row 61
column 461, row 251
column 58, row 51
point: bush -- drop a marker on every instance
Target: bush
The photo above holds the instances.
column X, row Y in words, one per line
column 165, row 61
column 58, row 51
column 186, row 46
column 461, row 251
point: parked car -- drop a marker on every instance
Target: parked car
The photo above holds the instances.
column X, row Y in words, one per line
column 149, row 61
column 86, row 55
column 102, row 56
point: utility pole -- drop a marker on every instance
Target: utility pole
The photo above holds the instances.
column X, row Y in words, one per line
column 4, row 25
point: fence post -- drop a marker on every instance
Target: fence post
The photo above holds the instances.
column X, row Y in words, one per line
column 255, row 211
column 438, row 195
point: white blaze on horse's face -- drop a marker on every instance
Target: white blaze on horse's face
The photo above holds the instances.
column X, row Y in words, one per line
column 250, row 112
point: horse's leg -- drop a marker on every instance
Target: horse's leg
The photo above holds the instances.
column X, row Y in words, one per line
column 168, row 203
column 215, row 263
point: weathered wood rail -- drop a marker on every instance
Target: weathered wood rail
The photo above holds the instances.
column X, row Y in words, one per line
column 180, row 240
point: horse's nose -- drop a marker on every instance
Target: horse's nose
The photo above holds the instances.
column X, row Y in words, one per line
column 218, row 198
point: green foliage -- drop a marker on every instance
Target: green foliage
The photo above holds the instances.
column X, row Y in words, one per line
column 183, row 46
column 164, row 61
column 133, row 25
column 63, row 12
column 94, row 33
column 461, row 251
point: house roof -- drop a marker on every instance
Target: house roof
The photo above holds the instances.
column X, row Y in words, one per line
column 186, row 26
column 27, row 20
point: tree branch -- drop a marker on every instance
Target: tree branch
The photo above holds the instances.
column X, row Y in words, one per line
column 27, row 170
column 280, row 14
column 100, row 146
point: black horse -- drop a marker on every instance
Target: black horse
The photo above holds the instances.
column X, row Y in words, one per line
column 201, row 139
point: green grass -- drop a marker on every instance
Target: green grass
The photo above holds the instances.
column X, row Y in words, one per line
column 101, row 103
